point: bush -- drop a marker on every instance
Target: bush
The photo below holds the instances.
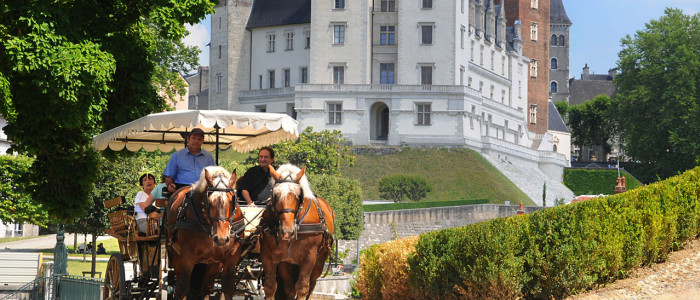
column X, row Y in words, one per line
column 398, row 187
column 384, row 272
column 344, row 195
column 595, row 182
column 551, row 253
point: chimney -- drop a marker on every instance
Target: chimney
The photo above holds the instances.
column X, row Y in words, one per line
column 522, row 209
column 611, row 73
column 585, row 73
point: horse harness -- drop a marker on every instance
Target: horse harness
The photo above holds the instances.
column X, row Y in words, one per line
column 300, row 227
column 207, row 227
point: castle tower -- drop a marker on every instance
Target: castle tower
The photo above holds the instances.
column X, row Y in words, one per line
column 229, row 53
column 534, row 18
column 558, row 51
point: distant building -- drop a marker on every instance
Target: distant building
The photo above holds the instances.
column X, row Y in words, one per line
column 4, row 142
column 199, row 89
column 558, row 51
column 585, row 89
column 561, row 137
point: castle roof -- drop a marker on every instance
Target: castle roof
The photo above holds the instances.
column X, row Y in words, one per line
column 279, row 12
column 584, row 90
column 557, row 13
column 556, row 123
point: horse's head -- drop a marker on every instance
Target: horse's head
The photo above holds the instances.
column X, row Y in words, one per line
column 215, row 188
column 291, row 187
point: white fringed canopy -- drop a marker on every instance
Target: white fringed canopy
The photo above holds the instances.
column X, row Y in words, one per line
column 242, row 131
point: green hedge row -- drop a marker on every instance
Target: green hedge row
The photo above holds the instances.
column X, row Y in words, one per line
column 596, row 182
column 558, row 251
column 428, row 204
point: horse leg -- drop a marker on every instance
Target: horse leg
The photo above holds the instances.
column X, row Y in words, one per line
column 270, row 282
column 318, row 269
column 183, row 268
column 305, row 269
column 287, row 279
column 207, row 284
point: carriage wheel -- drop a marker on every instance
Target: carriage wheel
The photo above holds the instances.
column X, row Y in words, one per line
column 115, row 281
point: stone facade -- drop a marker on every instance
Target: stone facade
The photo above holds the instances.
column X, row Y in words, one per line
column 534, row 17
column 451, row 74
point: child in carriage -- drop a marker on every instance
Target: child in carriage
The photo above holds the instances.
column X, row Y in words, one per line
column 143, row 203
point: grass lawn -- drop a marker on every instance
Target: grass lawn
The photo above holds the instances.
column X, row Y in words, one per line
column 454, row 174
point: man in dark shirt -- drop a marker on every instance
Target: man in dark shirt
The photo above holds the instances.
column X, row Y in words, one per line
column 256, row 185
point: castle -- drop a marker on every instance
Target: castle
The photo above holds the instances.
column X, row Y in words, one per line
column 468, row 73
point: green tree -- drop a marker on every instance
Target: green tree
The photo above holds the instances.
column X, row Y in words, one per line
column 69, row 69
column 321, row 152
column 658, row 105
column 591, row 123
column 417, row 188
column 16, row 205
column 345, row 196
column 562, row 108
column 393, row 188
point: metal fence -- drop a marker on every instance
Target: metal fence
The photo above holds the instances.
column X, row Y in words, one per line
column 65, row 287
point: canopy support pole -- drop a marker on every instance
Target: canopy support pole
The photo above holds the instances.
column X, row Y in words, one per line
column 217, row 143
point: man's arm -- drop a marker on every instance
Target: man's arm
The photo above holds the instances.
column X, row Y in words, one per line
column 170, row 183
column 246, row 197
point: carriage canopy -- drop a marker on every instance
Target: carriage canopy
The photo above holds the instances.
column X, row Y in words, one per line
column 242, row 131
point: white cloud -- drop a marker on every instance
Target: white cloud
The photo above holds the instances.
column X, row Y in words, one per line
column 198, row 37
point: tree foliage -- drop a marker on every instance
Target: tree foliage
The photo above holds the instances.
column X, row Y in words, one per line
column 591, row 123
column 16, row 205
column 398, row 187
column 658, row 105
column 69, row 69
column 321, row 152
column 345, row 197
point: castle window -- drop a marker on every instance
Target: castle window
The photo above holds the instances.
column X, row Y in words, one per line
column 462, row 30
column 338, row 74
column 388, row 5
column 271, row 77
column 339, row 34
column 261, row 108
column 553, row 40
column 553, row 87
column 553, row 64
column 287, row 77
column 533, row 68
column 335, row 113
column 427, row 4
column 307, row 36
column 426, row 34
column 561, row 40
column 219, row 82
column 533, row 113
column 387, row 35
column 290, row 41
column 533, row 31
column 271, row 42
column 339, row 4
column 304, row 75
column 386, row 73
column 423, row 113
column 533, row 4
column 426, row 75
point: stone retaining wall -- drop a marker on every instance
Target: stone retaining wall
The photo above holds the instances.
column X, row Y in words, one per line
column 384, row 226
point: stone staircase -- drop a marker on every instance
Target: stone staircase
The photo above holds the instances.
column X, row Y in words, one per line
column 530, row 181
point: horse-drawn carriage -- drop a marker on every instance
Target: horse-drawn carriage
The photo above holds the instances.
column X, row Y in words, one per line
column 205, row 242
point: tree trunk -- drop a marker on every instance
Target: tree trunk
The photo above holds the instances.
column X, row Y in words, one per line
column 85, row 247
column 94, row 254
column 75, row 242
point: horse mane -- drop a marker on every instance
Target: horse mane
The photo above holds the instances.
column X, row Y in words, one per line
column 286, row 188
column 215, row 172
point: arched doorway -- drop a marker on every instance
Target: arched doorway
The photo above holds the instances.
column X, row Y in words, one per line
column 379, row 122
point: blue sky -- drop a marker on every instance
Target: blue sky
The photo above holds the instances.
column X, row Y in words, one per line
column 598, row 26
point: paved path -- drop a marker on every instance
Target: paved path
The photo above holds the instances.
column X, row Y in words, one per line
column 45, row 242
column 676, row 279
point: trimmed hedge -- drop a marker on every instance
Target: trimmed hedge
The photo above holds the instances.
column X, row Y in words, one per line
column 596, row 182
column 551, row 253
column 413, row 205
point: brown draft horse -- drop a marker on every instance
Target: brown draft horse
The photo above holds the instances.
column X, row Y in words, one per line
column 297, row 234
column 204, row 229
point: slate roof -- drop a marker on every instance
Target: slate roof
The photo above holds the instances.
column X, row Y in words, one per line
column 584, row 90
column 279, row 12
column 556, row 123
column 557, row 13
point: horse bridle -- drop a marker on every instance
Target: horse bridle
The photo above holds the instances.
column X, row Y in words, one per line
column 273, row 203
column 207, row 206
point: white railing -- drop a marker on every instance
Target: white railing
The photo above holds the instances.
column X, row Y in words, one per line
column 380, row 88
column 267, row 92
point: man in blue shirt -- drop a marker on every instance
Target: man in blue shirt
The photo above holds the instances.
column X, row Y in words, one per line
column 186, row 165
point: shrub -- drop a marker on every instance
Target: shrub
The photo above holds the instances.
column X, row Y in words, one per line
column 384, row 272
column 398, row 187
column 345, row 197
column 551, row 253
